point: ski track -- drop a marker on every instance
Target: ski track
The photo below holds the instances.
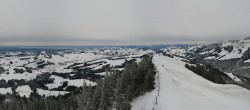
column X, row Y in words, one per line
column 181, row 89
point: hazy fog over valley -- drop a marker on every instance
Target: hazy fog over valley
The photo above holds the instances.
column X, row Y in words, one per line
column 124, row 55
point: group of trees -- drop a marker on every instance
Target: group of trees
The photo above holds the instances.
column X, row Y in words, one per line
column 85, row 72
column 2, row 70
column 17, row 70
column 215, row 75
column 210, row 73
column 115, row 91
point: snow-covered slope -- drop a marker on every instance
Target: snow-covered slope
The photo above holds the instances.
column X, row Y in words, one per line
column 181, row 89
column 233, row 49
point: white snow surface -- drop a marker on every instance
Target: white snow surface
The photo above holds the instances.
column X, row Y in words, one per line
column 5, row 90
column 58, row 81
column 181, row 89
column 48, row 93
column 175, row 50
column 12, row 75
column 247, row 61
column 239, row 47
column 26, row 91
column 233, row 77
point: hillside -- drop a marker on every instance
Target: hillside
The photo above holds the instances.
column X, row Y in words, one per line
column 181, row 89
column 230, row 56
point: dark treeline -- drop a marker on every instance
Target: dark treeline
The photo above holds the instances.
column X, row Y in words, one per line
column 115, row 91
column 210, row 73
column 215, row 75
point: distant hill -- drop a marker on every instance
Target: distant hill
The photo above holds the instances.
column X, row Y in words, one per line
column 232, row 56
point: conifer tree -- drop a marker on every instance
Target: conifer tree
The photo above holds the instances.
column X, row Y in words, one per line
column 95, row 101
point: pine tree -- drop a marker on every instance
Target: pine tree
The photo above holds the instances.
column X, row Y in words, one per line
column 104, row 96
column 149, row 80
column 83, row 97
column 73, row 101
column 107, row 93
column 60, row 104
column 95, row 101
column 125, row 105
column 118, row 92
column 90, row 93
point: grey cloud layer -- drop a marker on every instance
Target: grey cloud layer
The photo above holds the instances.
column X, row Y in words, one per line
column 49, row 22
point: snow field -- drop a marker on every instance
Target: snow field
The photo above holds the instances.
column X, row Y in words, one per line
column 58, row 81
column 26, row 91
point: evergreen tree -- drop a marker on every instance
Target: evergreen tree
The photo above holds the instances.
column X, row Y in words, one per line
column 95, row 101
column 83, row 97
column 118, row 94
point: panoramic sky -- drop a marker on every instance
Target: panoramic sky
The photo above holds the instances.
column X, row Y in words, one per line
column 122, row 22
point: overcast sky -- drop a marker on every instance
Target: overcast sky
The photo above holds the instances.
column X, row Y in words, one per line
column 120, row 22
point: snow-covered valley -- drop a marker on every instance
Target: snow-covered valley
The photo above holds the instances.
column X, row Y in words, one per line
column 181, row 89
column 53, row 74
column 59, row 71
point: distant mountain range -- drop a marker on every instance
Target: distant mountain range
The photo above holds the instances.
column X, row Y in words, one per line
column 231, row 56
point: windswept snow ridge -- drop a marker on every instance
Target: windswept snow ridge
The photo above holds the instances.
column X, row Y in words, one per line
column 181, row 89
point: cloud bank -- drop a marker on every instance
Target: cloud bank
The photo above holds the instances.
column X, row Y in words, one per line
column 121, row 22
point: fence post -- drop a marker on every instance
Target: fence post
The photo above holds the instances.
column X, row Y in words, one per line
column 156, row 100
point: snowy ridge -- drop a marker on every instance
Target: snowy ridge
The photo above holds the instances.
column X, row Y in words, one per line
column 239, row 47
column 224, row 50
column 181, row 89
